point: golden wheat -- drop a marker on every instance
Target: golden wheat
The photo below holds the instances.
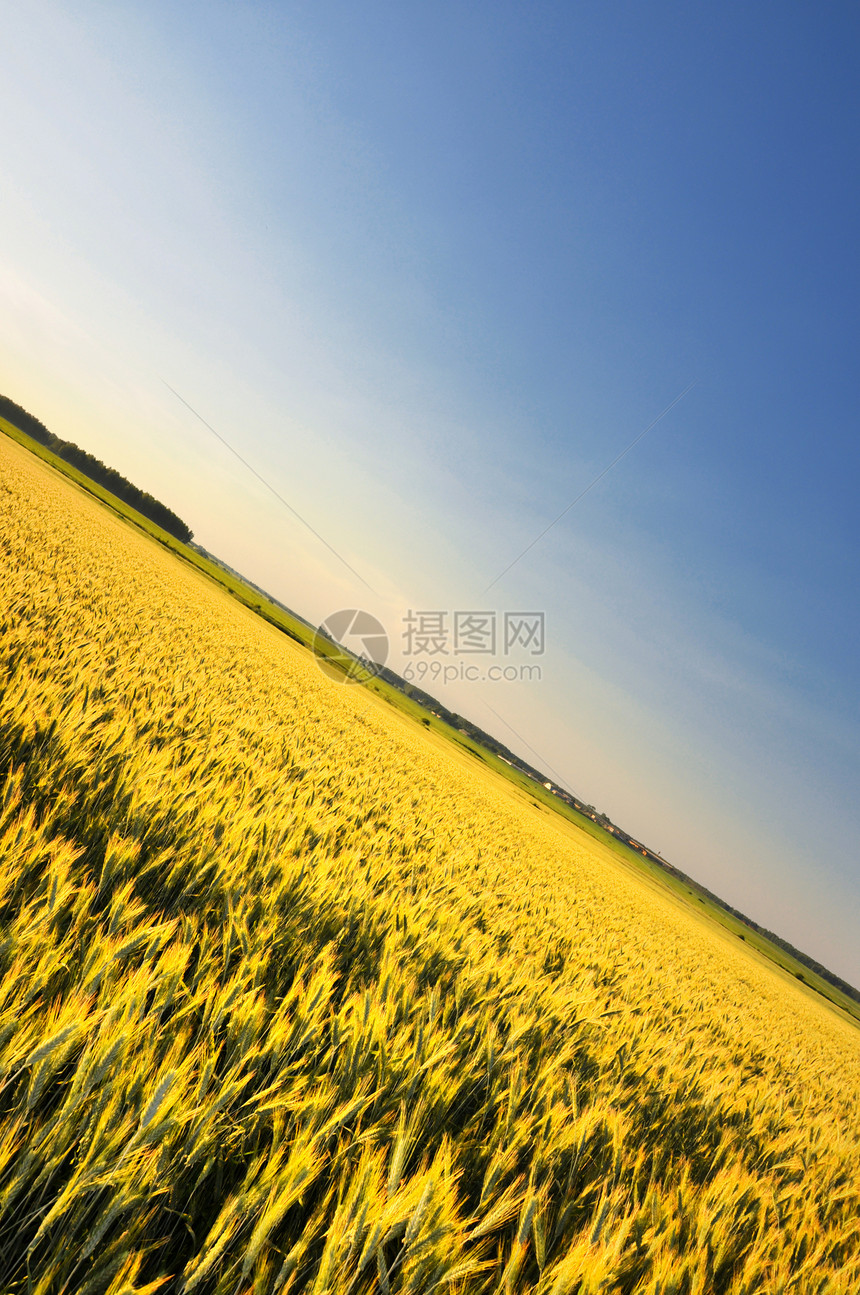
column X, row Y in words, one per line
column 293, row 1000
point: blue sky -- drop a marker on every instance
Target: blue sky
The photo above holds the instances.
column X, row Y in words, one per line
column 430, row 268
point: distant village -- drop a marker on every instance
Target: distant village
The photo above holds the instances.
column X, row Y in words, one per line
column 460, row 724
column 486, row 740
column 464, row 726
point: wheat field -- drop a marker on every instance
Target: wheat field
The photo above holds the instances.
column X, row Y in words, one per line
column 294, row 998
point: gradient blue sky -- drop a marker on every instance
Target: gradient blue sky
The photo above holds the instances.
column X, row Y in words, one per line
column 430, row 268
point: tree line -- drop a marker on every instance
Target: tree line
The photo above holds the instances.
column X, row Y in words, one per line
column 152, row 509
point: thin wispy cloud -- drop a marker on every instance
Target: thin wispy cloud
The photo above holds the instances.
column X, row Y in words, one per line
column 590, row 485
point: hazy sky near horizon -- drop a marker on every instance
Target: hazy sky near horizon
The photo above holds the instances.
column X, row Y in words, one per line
column 430, row 269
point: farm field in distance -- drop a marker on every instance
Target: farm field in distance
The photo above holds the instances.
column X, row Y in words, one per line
column 302, row 632
column 295, row 996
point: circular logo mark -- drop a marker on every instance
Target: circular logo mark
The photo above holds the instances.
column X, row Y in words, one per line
column 351, row 646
